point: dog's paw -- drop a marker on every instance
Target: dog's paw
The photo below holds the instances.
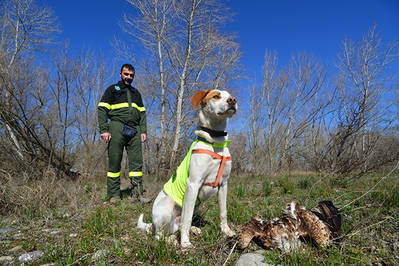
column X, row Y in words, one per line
column 227, row 231
column 185, row 246
column 159, row 235
column 195, row 230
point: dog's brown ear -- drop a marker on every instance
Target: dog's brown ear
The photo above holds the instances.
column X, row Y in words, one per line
column 197, row 98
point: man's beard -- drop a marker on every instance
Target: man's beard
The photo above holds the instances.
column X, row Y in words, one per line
column 128, row 81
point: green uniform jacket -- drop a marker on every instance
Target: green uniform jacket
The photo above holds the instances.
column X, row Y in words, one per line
column 114, row 105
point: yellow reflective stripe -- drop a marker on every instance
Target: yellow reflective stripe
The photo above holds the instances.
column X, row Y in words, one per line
column 103, row 104
column 135, row 173
column 119, row 105
column 141, row 109
column 110, row 174
column 123, row 105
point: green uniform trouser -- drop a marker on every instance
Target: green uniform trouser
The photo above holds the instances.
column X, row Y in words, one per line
column 115, row 152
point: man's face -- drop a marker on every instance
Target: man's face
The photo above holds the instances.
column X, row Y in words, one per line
column 127, row 76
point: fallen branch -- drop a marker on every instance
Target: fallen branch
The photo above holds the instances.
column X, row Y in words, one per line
column 81, row 258
column 231, row 251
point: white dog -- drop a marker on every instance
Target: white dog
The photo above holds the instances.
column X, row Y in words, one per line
column 203, row 173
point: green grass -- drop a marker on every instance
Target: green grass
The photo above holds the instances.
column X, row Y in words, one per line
column 370, row 223
column 286, row 184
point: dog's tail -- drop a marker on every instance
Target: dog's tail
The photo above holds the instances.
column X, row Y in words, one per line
column 146, row 227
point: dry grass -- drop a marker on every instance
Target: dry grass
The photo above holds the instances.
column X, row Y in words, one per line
column 37, row 208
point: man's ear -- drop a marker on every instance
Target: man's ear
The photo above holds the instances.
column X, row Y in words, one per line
column 197, row 98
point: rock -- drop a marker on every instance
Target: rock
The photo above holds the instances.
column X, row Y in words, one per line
column 99, row 254
column 72, row 235
column 251, row 259
column 195, row 230
column 172, row 240
column 125, row 238
column 18, row 236
column 51, row 231
column 127, row 251
column 31, row 256
column 56, row 232
column 6, row 230
column 15, row 249
column 4, row 260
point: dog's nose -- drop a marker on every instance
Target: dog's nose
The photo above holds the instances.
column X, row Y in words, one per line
column 231, row 100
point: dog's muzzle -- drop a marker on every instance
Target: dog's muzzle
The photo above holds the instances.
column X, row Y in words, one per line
column 232, row 109
column 232, row 102
column 232, row 106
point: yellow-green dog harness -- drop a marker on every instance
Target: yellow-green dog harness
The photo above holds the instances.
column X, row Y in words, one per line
column 176, row 185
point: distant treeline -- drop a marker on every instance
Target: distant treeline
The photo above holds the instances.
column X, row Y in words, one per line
column 300, row 118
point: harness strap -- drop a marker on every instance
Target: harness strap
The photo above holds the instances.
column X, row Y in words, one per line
column 222, row 163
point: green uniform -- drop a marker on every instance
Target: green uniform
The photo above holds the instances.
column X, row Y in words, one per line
column 114, row 106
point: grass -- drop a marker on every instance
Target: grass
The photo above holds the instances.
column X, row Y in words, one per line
column 69, row 222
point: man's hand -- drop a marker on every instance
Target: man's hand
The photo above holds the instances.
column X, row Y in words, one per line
column 106, row 136
column 143, row 137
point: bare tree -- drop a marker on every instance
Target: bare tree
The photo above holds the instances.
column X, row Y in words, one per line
column 93, row 75
column 306, row 82
column 152, row 29
column 284, row 110
column 267, row 108
column 274, row 87
column 190, row 54
column 365, row 89
column 24, row 27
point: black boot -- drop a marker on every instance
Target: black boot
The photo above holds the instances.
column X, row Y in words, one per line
column 138, row 191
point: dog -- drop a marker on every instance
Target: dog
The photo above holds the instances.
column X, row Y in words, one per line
column 203, row 173
column 321, row 225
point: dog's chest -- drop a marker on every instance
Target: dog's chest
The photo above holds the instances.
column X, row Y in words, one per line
column 214, row 167
column 209, row 165
column 211, row 168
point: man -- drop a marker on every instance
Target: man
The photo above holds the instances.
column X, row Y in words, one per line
column 123, row 106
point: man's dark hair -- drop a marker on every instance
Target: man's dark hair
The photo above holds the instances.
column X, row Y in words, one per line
column 128, row 66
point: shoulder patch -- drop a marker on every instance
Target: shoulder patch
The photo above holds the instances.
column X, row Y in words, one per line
column 117, row 88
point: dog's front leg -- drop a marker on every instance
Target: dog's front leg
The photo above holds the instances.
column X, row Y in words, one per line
column 187, row 212
column 222, row 197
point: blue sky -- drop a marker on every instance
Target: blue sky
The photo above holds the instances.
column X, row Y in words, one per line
column 286, row 26
column 318, row 27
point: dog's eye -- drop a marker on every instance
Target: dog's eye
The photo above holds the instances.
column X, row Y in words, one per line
column 216, row 96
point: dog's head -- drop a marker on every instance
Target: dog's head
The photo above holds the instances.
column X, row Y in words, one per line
column 216, row 102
